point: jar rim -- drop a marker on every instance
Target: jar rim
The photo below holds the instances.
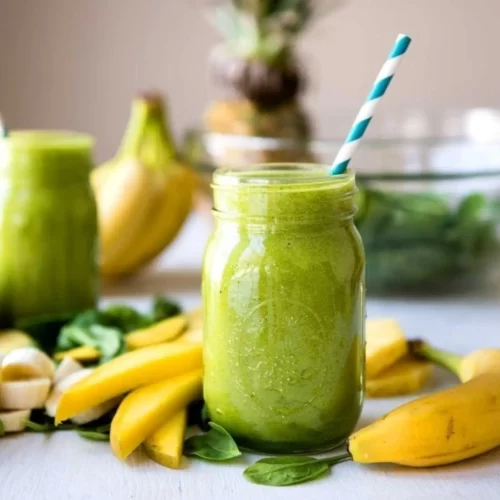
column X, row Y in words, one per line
column 263, row 174
column 49, row 140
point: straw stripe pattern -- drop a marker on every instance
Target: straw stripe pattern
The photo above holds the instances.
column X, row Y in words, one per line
column 367, row 111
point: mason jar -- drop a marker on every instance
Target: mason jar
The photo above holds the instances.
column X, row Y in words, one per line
column 48, row 226
column 283, row 298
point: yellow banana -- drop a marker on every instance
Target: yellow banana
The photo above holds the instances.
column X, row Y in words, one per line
column 465, row 368
column 443, row 428
column 143, row 195
column 123, row 206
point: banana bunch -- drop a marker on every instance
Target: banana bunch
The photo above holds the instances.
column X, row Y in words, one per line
column 445, row 427
column 143, row 194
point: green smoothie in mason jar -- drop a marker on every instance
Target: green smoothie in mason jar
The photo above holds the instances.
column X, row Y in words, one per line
column 48, row 226
column 283, row 296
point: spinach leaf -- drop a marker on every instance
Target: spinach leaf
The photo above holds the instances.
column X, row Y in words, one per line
column 216, row 445
column 124, row 318
column 163, row 309
column 2, row 428
column 93, row 435
column 109, row 341
column 47, row 426
column 289, row 470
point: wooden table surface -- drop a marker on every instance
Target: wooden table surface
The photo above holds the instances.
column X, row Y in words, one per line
column 63, row 466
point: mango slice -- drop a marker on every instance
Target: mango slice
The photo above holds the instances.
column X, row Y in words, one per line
column 129, row 371
column 145, row 410
column 407, row 376
column 84, row 353
column 194, row 332
column 165, row 445
column 385, row 344
column 163, row 331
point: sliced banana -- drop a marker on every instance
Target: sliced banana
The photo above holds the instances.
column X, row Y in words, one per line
column 14, row 421
column 83, row 417
column 66, row 367
column 95, row 413
column 24, row 394
column 27, row 363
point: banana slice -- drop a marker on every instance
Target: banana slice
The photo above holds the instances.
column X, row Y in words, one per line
column 66, row 367
column 14, row 421
column 86, row 416
column 27, row 363
column 24, row 394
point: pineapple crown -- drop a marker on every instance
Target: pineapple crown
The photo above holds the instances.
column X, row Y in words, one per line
column 265, row 30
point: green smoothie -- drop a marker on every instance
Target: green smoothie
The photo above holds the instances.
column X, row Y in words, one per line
column 283, row 292
column 48, row 226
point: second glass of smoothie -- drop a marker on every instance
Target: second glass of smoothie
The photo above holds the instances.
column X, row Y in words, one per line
column 283, row 295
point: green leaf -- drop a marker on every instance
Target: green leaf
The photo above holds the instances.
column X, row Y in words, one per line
column 216, row 445
column 47, row 426
column 290, row 470
column 93, row 435
column 163, row 309
column 124, row 317
column 2, row 428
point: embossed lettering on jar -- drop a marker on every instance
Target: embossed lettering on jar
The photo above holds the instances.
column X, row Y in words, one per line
column 283, row 292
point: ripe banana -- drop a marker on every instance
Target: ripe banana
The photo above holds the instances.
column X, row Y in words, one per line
column 24, row 394
column 443, row 428
column 143, row 195
column 465, row 368
column 14, row 421
column 27, row 363
column 66, row 367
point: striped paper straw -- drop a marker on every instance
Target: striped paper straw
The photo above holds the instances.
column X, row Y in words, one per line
column 367, row 111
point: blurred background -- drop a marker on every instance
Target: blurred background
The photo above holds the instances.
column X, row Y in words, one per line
column 76, row 65
column 248, row 81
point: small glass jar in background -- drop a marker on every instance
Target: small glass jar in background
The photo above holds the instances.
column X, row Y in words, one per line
column 48, row 226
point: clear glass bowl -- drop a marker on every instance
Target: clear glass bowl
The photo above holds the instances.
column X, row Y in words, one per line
column 429, row 200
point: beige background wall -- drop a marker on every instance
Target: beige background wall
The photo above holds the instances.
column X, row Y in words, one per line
column 76, row 63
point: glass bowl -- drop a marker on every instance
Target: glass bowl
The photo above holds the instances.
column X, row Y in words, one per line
column 429, row 192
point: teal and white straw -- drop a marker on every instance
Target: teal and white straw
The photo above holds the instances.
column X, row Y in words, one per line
column 367, row 111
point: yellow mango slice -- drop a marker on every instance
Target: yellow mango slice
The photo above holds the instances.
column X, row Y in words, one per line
column 145, row 410
column 163, row 331
column 385, row 344
column 84, row 353
column 165, row 445
column 129, row 371
column 407, row 376
column 194, row 332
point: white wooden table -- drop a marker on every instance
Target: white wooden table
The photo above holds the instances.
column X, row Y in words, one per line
column 66, row 467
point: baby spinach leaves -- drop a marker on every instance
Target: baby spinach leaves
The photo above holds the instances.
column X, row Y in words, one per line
column 216, row 445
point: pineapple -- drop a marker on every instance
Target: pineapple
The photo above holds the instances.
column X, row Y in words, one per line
column 258, row 71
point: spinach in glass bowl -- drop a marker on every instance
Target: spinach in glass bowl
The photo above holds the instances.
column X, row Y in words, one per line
column 424, row 241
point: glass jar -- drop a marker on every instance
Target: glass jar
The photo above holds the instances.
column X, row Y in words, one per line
column 283, row 296
column 48, row 226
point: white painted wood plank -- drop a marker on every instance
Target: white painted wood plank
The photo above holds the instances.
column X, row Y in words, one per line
column 63, row 466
